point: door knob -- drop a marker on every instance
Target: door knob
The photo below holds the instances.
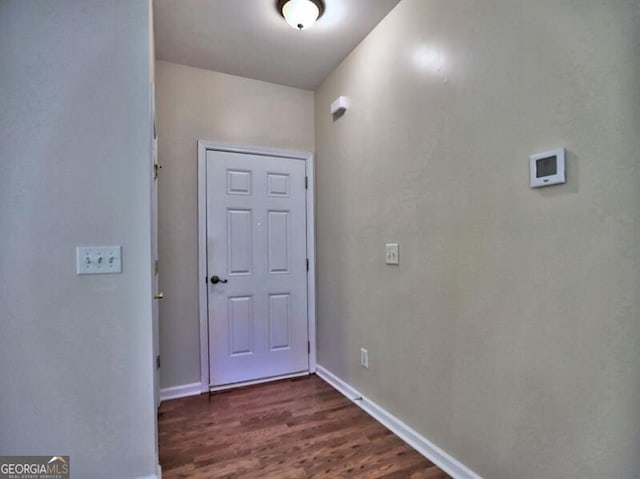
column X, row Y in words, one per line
column 216, row 279
column 159, row 295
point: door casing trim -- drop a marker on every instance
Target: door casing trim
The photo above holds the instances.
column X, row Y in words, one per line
column 203, row 147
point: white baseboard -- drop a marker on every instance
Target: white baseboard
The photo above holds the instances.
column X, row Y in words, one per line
column 157, row 475
column 183, row 391
column 152, row 476
column 440, row 458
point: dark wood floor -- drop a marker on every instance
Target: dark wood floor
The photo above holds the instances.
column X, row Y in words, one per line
column 288, row 429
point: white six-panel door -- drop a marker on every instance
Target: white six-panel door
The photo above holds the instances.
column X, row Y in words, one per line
column 256, row 242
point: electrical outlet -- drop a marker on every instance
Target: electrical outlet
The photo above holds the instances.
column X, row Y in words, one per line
column 392, row 254
column 364, row 358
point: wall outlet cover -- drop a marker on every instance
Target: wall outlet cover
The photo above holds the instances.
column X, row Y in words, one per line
column 392, row 255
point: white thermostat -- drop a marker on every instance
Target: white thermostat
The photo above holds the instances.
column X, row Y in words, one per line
column 548, row 168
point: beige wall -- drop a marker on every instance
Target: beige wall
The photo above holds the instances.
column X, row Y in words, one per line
column 509, row 333
column 76, row 374
column 192, row 105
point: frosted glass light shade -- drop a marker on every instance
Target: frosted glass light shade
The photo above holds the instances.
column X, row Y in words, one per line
column 300, row 14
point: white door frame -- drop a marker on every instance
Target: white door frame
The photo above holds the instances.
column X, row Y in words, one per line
column 203, row 147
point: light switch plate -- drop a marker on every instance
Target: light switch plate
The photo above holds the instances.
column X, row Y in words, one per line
column 364, row 358
column 392, row 254
column 99, row 259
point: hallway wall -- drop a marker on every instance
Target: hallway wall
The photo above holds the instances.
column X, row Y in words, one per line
column 508, row 335
column 76, row 375
column 195, row 104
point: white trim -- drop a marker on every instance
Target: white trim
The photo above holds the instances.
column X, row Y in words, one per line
column 157, row 475
column 203, row 304
column 182, row 391
column 203, row 146
column 343, row 388
column 311, row 254
column 225, row 387
column 424, row 446
column 152, row 476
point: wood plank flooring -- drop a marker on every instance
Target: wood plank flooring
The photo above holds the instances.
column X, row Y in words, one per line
column 292, row 429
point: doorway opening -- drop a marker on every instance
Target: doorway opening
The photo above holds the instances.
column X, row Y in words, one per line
column 256, row 265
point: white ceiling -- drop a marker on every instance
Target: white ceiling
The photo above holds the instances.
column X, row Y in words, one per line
column 249, row 37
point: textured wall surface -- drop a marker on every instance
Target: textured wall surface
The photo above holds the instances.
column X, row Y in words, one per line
column 192, row 105
column 76, row 375
column 509, row 333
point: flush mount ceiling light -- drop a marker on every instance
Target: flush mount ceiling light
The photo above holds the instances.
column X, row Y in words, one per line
column 301, row 14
